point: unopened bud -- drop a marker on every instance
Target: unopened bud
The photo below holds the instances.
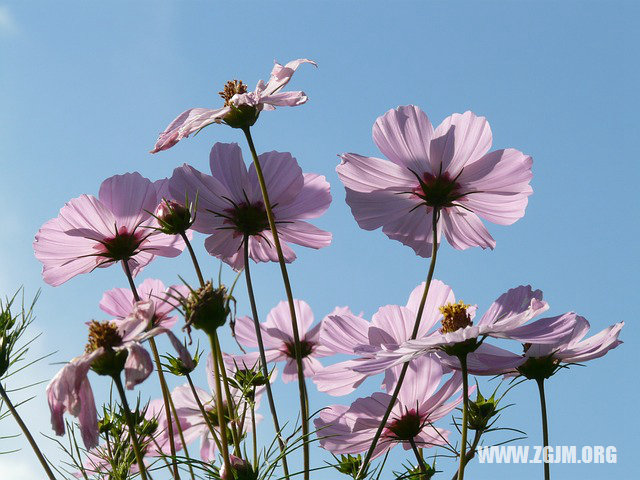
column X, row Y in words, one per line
column 240, row 470
column 173, row 217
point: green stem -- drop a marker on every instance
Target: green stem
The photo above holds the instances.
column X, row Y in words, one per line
column 163, row 383
column 132, row 428
column 545, row 427
column 304, row 408
column 181, row 434
column 27, row 433
column 465, row 414
column 230, row 402
column 220, row 408
column 472, row 451
column 194, row 260
column 263, row 357
column 414, row 334
column 205, row 415
column 254, row 437
column 423, row 467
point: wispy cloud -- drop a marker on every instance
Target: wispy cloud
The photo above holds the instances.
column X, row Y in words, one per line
column 8, row 25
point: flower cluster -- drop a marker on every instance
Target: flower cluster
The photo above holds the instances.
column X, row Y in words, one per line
column 435, row 183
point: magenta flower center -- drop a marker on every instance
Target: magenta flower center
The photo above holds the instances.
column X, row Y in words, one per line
column 123, row 245
column 406, row 427
column 231, row 88
column 249, row 219
column 306, row 349
column 437, row 192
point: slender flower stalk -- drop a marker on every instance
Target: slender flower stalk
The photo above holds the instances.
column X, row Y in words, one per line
column 414, row 333
column 472, row 451
column 27, row 433
column 263, row 358
column 181, row 435
column 304, row 408
column 545, row 428
column 218, row 364
column 163, row 383
column 204, row 413
column 465, row 414
column 230, row 402
column 220, row 403
column 254, row 436
column 414, row 447
column 132, row 428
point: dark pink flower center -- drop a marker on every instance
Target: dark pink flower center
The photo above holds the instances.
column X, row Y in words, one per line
column 123, row 245
column 249, row 218
column 306, row 349
column 405, row 427
column 437, row 191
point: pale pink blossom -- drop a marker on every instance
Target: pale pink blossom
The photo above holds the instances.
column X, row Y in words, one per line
column 95, row 232
column 349, row 430
column 266, row 96
column 507, row 318
column 119, row 302
column 449, row 170
column 277, row 335
column 230, row 204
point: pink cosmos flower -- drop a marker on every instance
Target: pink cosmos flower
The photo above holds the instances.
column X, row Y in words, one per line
column 109, row 345
column 95, row 232
column 349, row 430
column 120, row 303
column 194, row 425
column 264, row 97
column 449, row 169
column 506, row 318
column 277, row 336
column 230, row 204
column 545, row 359
column 345, row 333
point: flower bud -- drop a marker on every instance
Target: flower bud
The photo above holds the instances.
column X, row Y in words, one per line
column 207, row 308
column 241, row 470
column 173, row 217
column 350, row 465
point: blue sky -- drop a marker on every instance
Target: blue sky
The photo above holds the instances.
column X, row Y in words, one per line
column 86, row 86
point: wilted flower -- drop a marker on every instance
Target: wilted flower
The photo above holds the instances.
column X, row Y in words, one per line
column 241, row 108
column 449, row 170
column 111, row 349
column 95, row 232
column 230, row 204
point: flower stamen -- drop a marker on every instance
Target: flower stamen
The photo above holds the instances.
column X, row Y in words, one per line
column 231, row 88
column 455, row 317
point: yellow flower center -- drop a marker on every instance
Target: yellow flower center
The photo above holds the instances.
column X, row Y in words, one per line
column 231, row 88
column 455, row 317
column 102, row 334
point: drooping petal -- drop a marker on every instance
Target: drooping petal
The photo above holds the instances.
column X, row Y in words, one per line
column 185, row 124
column 280, row 75
column 593, row 347
column 138, row 365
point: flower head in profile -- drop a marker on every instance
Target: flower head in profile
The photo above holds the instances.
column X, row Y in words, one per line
column 241, row 107
column 230, row 204
column 95, row 232
column 343, row 332
column 420, row 403
column 119, row 302
column 279, row 344
column 194, row 426
column 447, row 171
column 541, row 361
column 507, row 318
column 111, row 349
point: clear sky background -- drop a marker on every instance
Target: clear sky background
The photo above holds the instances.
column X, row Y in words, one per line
column 85, row 87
